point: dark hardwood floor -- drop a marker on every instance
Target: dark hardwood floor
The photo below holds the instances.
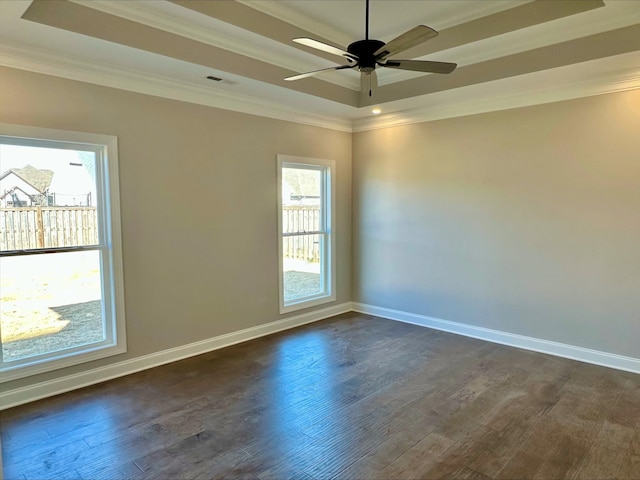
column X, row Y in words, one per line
column 350, row 397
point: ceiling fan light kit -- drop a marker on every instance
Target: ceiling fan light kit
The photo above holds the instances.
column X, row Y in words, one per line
column 365, row 55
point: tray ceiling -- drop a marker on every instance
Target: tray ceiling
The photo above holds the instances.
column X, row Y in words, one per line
column 509, row 52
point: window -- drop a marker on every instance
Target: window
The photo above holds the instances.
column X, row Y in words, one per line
column 61, row 291
column 306, row 239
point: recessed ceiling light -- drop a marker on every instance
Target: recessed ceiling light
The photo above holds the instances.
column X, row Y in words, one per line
column 376, row 111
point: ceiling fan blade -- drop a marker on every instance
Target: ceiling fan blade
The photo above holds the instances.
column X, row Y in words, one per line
column 310, row 74
column 368, row 82
column 421, row 66
column 408, row 39
column 325, row 47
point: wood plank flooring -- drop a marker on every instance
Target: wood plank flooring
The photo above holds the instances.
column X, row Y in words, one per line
column 352, row 397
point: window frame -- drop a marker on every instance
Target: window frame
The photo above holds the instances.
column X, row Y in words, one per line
column 109, row 245
column 327, row 234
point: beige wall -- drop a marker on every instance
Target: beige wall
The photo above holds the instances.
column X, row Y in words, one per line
column 198, row 205
column 525, row 221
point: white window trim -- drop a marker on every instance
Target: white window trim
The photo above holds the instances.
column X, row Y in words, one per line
column 329, row 257
column 110, row 241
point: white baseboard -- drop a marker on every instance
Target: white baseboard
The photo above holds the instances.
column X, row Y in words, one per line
column 67, row 383
column 581, row 354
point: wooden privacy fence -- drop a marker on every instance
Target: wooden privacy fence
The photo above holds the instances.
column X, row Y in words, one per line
column 47, row 227
column 50, row 227
column 301, row 218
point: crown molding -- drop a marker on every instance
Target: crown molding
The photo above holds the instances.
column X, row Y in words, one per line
column 598, row 77
column 39, row 61
column 532, row 89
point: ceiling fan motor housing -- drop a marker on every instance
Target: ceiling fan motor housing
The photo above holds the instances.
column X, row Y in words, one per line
column 364, row 51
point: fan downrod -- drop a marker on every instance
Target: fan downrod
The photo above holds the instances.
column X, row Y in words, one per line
column 367, row 54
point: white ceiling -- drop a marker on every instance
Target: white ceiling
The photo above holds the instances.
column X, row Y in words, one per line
column 509, row 52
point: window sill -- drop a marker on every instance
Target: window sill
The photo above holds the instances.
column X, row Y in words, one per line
column 306, row 303
column 10, row 373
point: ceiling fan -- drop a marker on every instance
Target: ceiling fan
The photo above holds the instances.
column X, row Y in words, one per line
column 366, row 54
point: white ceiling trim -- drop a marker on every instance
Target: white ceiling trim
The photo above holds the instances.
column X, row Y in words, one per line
column 532, row 89
column 289, row 15
column 617, row 14
column 614, row 15
column 286, row 14
column 563, row 83
column 235, row 40
column 50, row 64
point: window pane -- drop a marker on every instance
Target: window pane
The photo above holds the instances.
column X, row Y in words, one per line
column 301, row 266
column 50, row 302
column 305, row 215
column 301, row 200
column 48, row 198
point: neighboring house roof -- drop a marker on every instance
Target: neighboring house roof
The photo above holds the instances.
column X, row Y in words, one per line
column 12, row 191
column 38, row 179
